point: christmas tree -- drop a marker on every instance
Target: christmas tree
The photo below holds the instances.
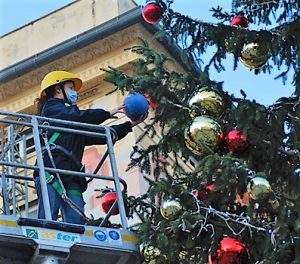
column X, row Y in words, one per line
column 238, row 201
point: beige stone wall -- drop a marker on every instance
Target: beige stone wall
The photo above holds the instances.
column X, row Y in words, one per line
column 19, row 93
column 58, row 26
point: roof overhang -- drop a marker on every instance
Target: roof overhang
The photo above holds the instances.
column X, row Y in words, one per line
column 99, row 32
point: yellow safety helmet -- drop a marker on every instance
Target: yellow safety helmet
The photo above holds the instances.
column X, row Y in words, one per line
column 56, row 77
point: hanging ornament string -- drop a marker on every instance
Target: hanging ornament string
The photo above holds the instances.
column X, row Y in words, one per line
column 239, row 219
column 255, row 6
column 206, row 226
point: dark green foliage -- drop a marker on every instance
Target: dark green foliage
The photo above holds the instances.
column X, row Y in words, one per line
column 282, row 40
column 272, row 133
column 273, row 150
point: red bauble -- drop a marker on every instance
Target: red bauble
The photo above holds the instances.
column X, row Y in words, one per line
column 210, row 187
column 239, row 21
column 236, row 141
column 152, row 13
column 203, row 194
column 107, row 200
column 152, row 104
column 230, row 251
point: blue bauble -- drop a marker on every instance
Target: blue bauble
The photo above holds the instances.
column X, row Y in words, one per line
column 136, row 106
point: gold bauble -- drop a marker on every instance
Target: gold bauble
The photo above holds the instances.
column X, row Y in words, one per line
column 254, row 55
column 258, row 187
column 150, row 254
column 170, row 209
column 203, row 133
column 209, row 100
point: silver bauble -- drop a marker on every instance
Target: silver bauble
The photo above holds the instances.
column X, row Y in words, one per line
column 258, row 187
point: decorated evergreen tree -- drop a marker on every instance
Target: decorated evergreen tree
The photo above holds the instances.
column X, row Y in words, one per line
column 238, row 201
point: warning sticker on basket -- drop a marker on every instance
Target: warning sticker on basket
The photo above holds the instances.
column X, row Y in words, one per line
column 108, row 236
column 114, row 236
column 101, row 235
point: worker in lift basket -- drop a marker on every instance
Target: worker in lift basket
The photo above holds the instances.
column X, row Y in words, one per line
column 58, row 99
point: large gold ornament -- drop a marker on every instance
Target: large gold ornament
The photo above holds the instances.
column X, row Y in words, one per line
column 170, row 209
column 209, row 100
column 254, row 55
column 258, row 187
column 203, row 134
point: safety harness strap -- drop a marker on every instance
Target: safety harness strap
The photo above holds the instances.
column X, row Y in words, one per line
column 54, row 137
column 55, row 181
column 50, row 179
column 60, row 148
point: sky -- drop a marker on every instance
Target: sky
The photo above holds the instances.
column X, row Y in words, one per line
column 263, row 88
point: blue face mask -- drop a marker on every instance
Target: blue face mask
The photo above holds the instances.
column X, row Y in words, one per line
column 72, row 96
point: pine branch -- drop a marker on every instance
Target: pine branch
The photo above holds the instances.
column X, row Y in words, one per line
column 273, row 135
column 290, row 152
column 182, row 28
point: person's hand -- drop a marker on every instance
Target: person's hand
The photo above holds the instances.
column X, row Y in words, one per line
column 134, row 123
column 119, row 109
